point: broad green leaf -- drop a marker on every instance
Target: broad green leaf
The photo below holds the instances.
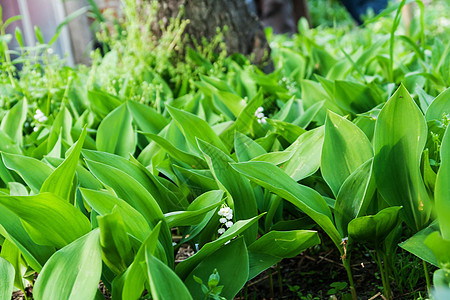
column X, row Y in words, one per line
column 355, row 97
column 287, row 130
column 85, row 178
column 12, row 254
column 193, row 127
column 246, row 148
column 146, row 118
column 12, row 122
column 13, row 230
column 164, row 283
column 115, row 244
column 8, row 145
column 312, row 93
column 354, row 196
column 231, row 262
column 192, row 160
column 130, row 284
column 272, row 247
column 60, row 128
column 115, row 133
column 201, row 180
column 345, row 148
column 72, row 272
column 102, row 103
column 33, row 171
column 442, row 188
column 285, row 244
column 305, row 198
column 308, row 116
column 276, row 157
column 6, row 279
column 130, row 190
column 306, row 158
column 439, row 106
column 60, row 182
column 399, row 140
column 440, row 248
column 374, row 229
column 104, row 204
column 166, row 199
column 48, row 219
column 416, row 244
column 196, row 211
column 186, row 266
column 239, row 188
column 244, row 121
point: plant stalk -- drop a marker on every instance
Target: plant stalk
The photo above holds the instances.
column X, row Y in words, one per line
column 348, row 268
column 271, row 284
column 427, row 276
column 384, row 277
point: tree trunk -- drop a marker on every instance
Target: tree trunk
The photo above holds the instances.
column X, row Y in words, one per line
column 245, row 32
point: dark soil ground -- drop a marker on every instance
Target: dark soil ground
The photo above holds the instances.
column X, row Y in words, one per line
column 318, row 273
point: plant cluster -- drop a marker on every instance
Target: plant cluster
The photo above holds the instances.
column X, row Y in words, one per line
column 101, row 166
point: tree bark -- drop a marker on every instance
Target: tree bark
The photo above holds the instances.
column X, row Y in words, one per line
column 245, row 32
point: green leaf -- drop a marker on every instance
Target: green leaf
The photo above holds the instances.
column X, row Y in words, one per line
column 287, row 130
column 13, row 230
column 196, row 211
column 73, row 272
column 12, row 122
column 440, row 248
column 345, row 148
column 102, row 103
column 305, row 160
column 193, row 127
column 60, row 182
column 374, row 229
column 186, row 266
column 130, row 284
column 61, row 127
column 416, row 244
column 115, row 133
column 33, row 171
column 355, row 97
column 354, row 196
column 164, row 283
column 146, row 118
column 166, row 199
column 245, row 148
column 48, row 219
column 115, row 244
column 244, row 121
column 192, row 160
column 6, row 279
column 442, row 188
column 8, row 145
column 439, row 106
column 12, row 254
column 104, row 204
column 244, row 201
column 285, row 244
column 130, row 190
column 231, row 262
column 399, row 140
column 305, row 198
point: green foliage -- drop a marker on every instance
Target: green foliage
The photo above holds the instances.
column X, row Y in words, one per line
column 103, row 166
